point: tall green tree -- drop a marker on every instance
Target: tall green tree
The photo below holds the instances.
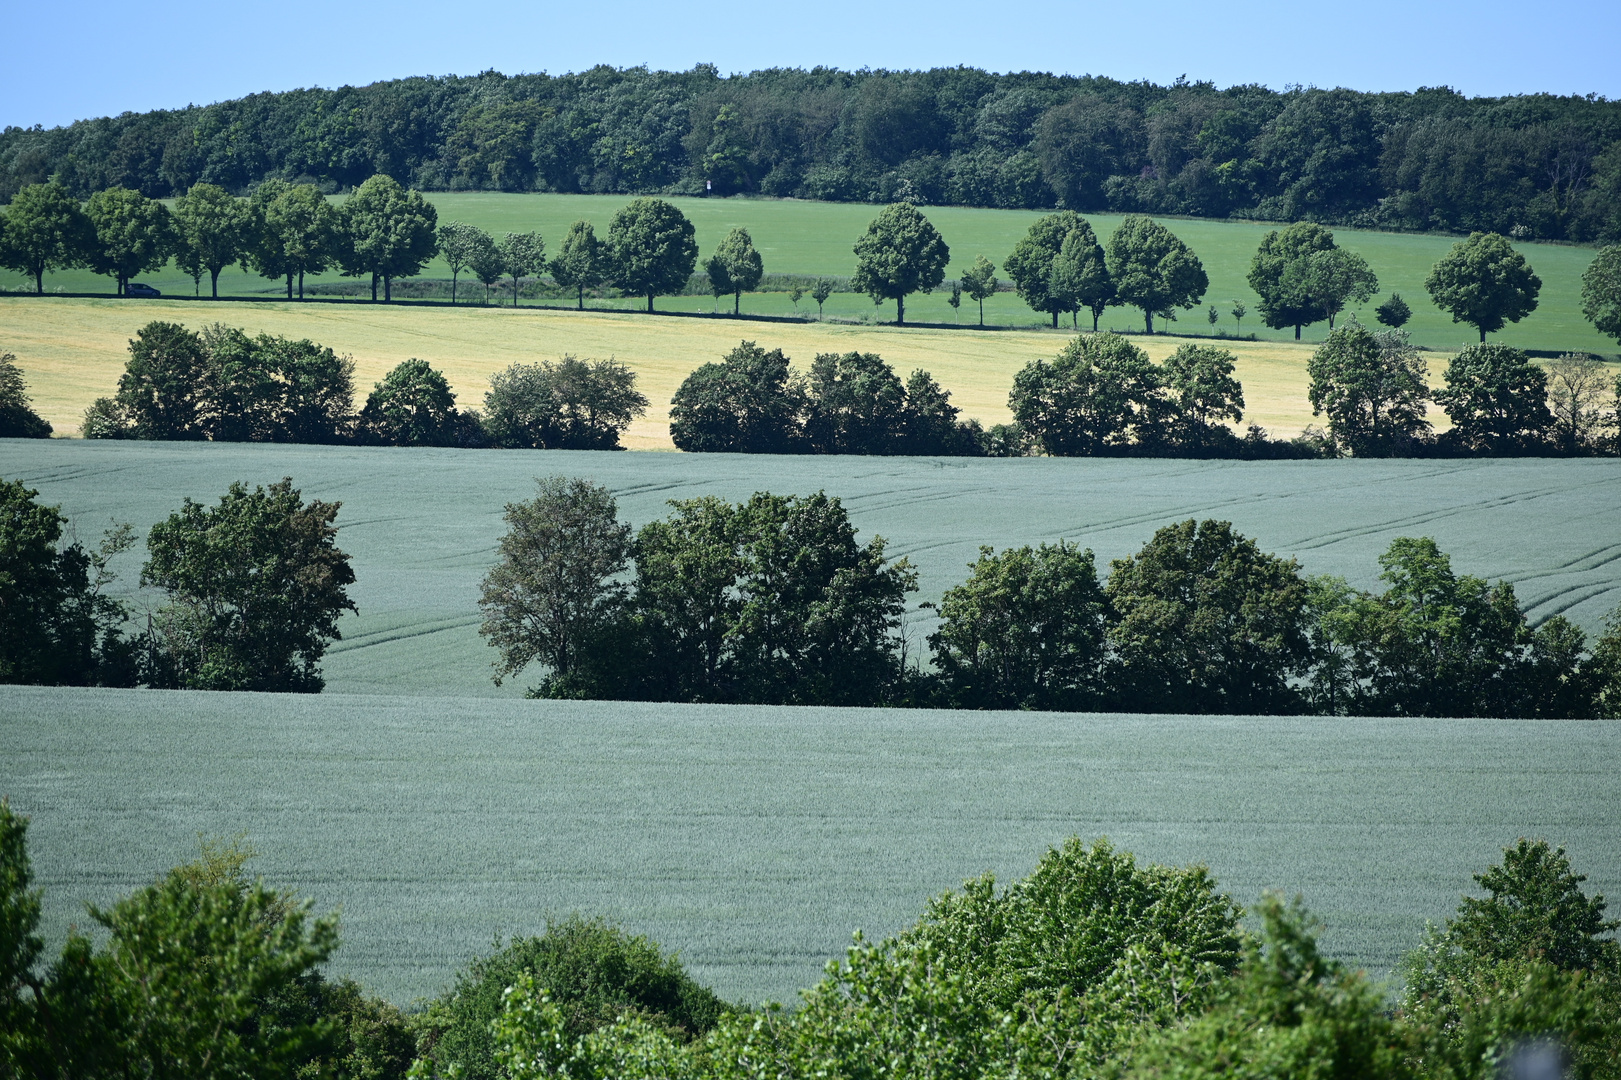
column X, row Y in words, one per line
column 1079, row 277
column 979, row 282
column 522, row 254
column 1153, row 270
column 304, row 228
column 1207, row 622
column 899, row 254
column 267, row 255
column 458, row 244
column 1497, row 400
column 485, row 262
column 388, row 232
column 56, row 626
column 134, row 234
column 18, row 420
column 162, row 392
column 1578, row 386
column 854, row 404
column 1100, row 395
column 820, row 292
column 1337, row 277
column 1031, row 263
column 1280, row 275
column 412, row 406
column 1371, row 386
column 1027, row 630
column 569, row 404
column 255, row 587
column 739, row 264
column 653, row 249
column 1200, row 381
column 215, row 230
column 748, row 403
column 554, row 590
column 45, row 230
column 1601, row 291
column 582, row 262
column 1484, row 282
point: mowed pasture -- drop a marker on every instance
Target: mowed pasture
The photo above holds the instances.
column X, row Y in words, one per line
column 73, row 350
column 755, row 840
column 422, row 525
column 801, row 237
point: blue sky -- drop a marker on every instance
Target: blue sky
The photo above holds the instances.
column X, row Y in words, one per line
column 104, row 58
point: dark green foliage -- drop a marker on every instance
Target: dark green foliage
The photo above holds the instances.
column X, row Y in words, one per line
column 1200, row 381
column 855, row 404
column 1394, row 312
column 225, row 386
column 736, row 266
column 1601, row 292
column 1152, row 270
column 979, row 282
column 552, row 596
column 1027, row 630
column 18, row 420
column 594, row 971
column 1497, row 400
column 255, row 588
column 1099, row 396
column 1278, row 275
column 412, row 406
column 20, row 945
column 298, row 232
column 1435, row 643
column 567, row 405
column 386, row 231
column 1603, row 669
column 55, row 625
column 133, row 234
column 213, row 230
column 748, row 403
column 1206, row 622
column 581, row 263
column 1371, row 386
column 45, row 229
column 900, row 253
column 652, row 249
column 1031, row 263
column 1484, row 282
column 1288, row 1012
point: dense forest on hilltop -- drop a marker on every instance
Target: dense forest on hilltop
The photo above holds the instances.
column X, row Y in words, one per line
column 1531, row 166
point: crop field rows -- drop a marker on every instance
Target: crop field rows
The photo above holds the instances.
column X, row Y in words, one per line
column 800, row 237
column 422, row 524
column 754, row 839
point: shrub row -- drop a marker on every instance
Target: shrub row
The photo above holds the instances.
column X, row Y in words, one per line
column 1093, row 965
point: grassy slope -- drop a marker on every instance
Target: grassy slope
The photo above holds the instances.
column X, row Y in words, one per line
column 72, row 351
column 815, row 238
column 422, row 525
column 755, row 840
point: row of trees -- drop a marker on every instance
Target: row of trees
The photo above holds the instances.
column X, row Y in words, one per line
column 1527, row 166
column 221, row 385
column 1091, row 965
column 774, row 601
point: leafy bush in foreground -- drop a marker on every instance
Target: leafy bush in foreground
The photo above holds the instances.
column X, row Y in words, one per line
column 568, row 405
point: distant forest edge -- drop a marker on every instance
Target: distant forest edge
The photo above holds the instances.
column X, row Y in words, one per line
column 1535, row 166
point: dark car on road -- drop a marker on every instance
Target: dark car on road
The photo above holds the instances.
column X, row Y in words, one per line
column 136, row 288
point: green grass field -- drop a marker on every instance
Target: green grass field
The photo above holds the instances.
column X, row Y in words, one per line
column 754, row 840
column 816, row 238
column 422, row 524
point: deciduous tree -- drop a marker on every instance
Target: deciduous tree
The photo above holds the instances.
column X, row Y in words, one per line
column 1279, row 274
column 1601, row 291
column 412, row 406
column 820, row 292
column 1031, row 263
column 1153, row 270
column 748, row 403
column 255, row 587
column 653, row 249
column 855, row 404
column 1484, row 282
column 1204, row 393
column 1371, row 386
column 388, row 232
column 45, row 230
column 1578, row 386
column 18, row 420
column 215, row 230
column 522, row 254
column 458, row 243
column 134, row 234
column 979, row 282
column 1394, row 312
column 569, row 404
column 582, row 263
column 1098, row 396
column 740, row 265
column 900, row 253
column 304, row 227
column 1497, row 400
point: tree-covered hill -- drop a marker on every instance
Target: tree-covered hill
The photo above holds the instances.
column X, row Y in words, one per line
column 1531, row 166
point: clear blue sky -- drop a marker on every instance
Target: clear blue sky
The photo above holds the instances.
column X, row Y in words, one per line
column 101, row 58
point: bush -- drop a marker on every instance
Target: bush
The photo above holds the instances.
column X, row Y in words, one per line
column 1100, row 395
column 18, row 420
column 749, row 403
column 413, row 406
column 567, row 405
column 595, row 972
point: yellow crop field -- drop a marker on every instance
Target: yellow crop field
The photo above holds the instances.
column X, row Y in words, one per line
column 72, row 350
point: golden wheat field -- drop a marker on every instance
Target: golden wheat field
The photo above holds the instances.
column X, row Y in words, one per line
column 72, row 350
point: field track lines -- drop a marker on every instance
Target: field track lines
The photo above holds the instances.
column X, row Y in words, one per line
column 1323, row 540
column 380, row 637
column 1571, row 567
column 1538, row 616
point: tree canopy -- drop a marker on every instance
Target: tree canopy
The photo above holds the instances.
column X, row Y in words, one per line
column 1484, row 282
column 899, row 254
column 1153, row 270
column 653, row 249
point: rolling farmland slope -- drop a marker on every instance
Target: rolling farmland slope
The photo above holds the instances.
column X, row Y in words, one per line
column 754, row 840
column 422, row 524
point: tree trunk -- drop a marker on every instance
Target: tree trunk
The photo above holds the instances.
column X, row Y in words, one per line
column 453, row 286
column 289, row 284
column 388, row 288
column 1055, row 318
column 737, row 303
column 214, row 283
column 1297, row 331
column 982, row 313
column 39, row 281
column 650, row 303
column 1094, row 321
column 374, row 288
column 582, row 297
column 1148, row 320
column 1483, row 337
column 514, row 290
column 900, row 311
column 301, row 284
